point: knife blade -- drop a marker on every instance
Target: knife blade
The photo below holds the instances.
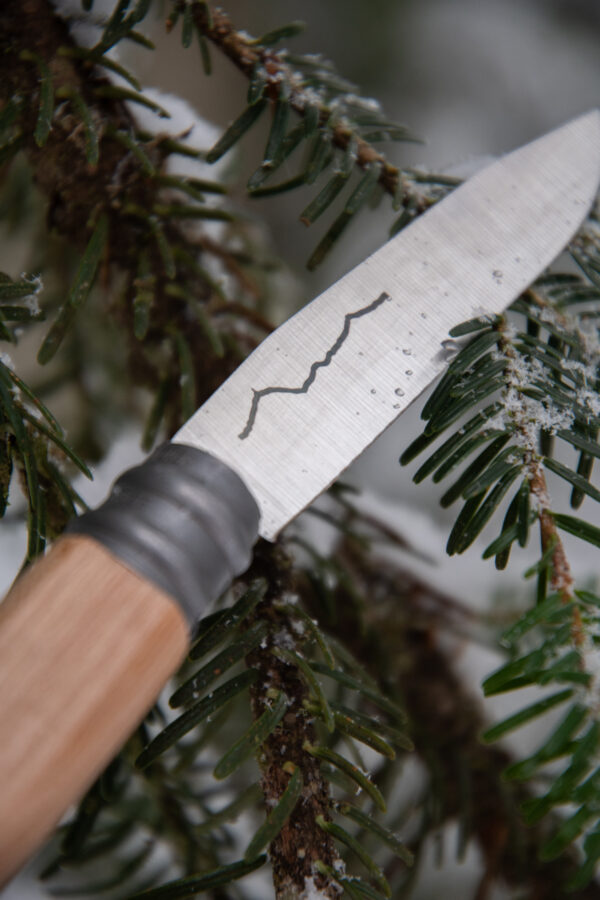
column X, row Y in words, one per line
column 90, row 634
column 327, row 382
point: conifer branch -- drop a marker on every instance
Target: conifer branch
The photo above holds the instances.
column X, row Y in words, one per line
column 389, row 618
column 336, row 126
column 544, row 379
column 300, row 843
column 122, row 187
column 561, row 579
column 247, row 56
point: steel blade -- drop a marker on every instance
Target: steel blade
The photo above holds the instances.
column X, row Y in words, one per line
column 323, row 386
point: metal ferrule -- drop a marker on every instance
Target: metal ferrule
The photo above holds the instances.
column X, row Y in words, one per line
column 182, row 519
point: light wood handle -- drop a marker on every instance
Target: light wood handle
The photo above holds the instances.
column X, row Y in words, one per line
column 86, row 645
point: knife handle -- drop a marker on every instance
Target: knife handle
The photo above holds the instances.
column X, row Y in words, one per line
column 90, row 634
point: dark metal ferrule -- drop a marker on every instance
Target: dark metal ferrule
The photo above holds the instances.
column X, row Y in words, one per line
column 182, row 519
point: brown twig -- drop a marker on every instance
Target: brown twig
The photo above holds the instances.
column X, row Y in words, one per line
column 561, row 579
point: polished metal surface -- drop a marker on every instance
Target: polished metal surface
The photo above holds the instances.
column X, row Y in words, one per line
column 323, row 386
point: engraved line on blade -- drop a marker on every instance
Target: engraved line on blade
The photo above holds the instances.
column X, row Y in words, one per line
column 258, row 395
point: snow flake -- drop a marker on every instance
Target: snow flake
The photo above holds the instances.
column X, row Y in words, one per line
column 312, row 892
column 309, row 96
column 283, row 638
column 368, row 103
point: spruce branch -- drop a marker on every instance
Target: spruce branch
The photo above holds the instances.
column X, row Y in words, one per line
column 394, row 618
column 129, row 191
column 542, row 379
column 337, row 127
column 561, row 579
column 248, row 55
column 300, row 843
column 33, row 443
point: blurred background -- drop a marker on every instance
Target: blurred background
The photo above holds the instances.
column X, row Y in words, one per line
column 474, row 79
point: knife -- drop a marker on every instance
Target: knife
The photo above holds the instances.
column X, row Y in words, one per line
column 90, row 634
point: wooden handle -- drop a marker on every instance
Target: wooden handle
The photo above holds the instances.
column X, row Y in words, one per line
column 86, row 645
